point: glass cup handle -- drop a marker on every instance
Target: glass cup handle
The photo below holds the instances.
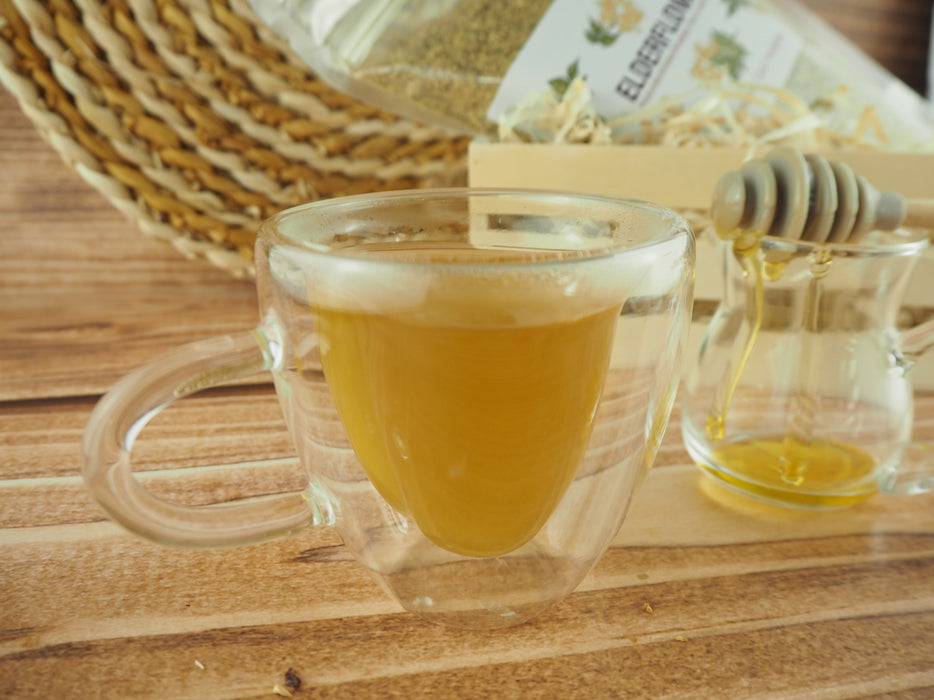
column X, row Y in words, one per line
column 915, row 470
column 123, row 412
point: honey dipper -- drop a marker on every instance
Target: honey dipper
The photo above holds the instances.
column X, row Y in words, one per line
column 788, row 194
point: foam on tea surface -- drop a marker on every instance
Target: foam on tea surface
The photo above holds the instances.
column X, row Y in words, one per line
column 470, row 394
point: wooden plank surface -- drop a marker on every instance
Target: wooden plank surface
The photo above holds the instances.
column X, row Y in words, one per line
column 744, row 601
column 84, row 296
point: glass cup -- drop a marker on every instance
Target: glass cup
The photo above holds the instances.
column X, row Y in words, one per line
column 475, row 381
column 801, row 393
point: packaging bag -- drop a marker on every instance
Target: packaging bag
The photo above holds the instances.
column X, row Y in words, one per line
column 506, row 68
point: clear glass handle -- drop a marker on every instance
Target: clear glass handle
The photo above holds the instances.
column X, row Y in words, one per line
column 123, row 412
column 915, row 470
column 918, row 340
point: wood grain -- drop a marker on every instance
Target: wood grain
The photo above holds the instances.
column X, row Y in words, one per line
column 67, row 328
column 775, row 621
column 702, row 594
column 896, row 33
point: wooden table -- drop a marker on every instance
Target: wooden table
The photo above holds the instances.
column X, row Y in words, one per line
column 701, row 595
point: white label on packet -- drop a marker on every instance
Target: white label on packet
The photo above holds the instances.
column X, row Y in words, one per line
column 635, row 52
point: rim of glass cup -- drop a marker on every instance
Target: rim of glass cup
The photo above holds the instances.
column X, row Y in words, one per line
column 897, row 243
column 271, row 232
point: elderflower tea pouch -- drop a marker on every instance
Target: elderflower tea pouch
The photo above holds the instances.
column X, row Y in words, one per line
column 467, row 64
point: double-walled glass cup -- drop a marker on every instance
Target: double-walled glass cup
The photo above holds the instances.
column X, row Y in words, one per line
column 475, row 381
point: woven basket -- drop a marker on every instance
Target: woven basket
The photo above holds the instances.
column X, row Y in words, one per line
column 198, row 122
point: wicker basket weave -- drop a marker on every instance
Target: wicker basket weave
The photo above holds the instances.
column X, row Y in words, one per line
column 197, row 122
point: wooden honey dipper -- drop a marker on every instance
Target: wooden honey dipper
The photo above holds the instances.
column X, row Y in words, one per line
column 804, row 196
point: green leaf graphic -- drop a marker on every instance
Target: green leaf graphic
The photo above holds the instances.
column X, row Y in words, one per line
column 599, row 34
column 730, row 54
column 732, row 6
column 561, row 84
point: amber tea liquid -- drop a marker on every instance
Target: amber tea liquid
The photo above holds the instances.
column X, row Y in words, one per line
column 470, row 410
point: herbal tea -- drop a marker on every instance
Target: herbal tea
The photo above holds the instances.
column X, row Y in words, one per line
column 475, row 382
column 470, row 410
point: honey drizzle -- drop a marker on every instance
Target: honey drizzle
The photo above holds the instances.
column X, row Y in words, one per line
column 745, row 249
column 798, row 440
